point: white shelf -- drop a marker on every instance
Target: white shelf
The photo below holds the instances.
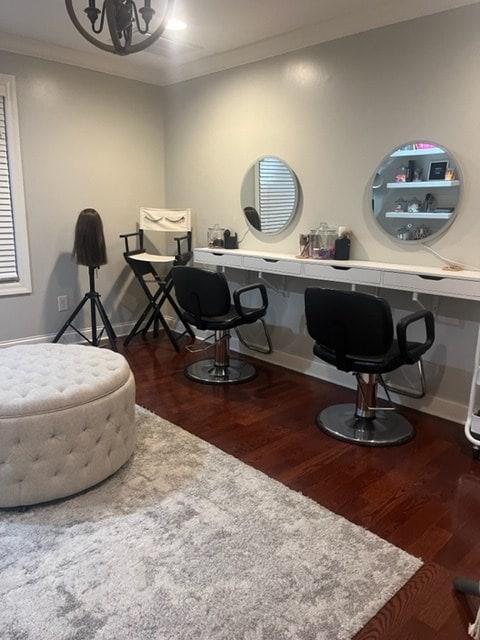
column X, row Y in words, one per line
column 401, row 153
column 424, row 184
column 432, row 280
column 420, row 215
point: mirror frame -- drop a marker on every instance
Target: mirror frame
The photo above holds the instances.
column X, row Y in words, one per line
column 392, row 184
column 249, row 185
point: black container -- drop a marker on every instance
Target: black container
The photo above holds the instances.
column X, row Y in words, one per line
column 342, row 248
column 230, row 240
column 410, row 170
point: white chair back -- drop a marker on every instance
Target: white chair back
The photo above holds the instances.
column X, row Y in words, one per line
column 177, row 220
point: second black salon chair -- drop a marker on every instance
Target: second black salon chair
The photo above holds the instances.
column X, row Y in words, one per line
column 355, row 332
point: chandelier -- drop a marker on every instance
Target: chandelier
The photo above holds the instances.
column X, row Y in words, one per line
column 129, row 27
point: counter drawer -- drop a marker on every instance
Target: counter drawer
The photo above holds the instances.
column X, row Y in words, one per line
column 220, row 258
column 272, row 265
column 333, row 273
column 435, row 285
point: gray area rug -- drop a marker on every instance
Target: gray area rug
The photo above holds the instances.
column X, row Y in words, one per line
column 186, row 542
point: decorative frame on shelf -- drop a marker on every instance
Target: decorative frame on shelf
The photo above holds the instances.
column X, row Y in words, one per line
column 438, row 170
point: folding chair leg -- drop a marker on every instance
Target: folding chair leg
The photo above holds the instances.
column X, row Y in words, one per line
column 150, row 308
column 176, row 308
column 152, row 316
column 158, row 316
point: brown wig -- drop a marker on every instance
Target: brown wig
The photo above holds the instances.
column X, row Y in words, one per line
column 89, row 248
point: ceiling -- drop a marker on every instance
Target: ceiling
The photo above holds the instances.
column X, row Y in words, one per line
column 221, row 34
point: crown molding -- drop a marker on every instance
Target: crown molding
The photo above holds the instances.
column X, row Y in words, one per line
column 160, row 70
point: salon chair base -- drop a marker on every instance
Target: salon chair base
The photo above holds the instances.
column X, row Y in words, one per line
column 386, row 428
column 208, row 372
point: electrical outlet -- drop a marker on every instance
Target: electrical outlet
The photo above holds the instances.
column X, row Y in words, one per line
column 62, row 303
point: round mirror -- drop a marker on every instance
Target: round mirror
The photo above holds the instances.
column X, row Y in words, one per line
column 416, row 191
column 269, row 195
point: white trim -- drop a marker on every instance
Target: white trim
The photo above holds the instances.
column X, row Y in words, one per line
column 155, row 68
column 24, row 283
column 431, row 405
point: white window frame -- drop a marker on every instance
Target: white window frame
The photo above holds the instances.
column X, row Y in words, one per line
column 23, row 283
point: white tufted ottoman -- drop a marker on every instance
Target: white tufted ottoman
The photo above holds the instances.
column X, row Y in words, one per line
column 67, row 420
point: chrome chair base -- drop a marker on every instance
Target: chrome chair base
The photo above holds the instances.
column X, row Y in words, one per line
column 208, row 372
column 386, row 428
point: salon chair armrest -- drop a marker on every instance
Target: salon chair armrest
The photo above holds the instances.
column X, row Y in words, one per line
column 183, row 258
column 413, row 351
column 179, row 240
column 238, row 293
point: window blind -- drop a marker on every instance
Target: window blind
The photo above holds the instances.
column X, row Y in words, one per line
column 277, row 193
column 8, row 258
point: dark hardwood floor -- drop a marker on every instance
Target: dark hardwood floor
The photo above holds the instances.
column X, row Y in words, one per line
column 423, row 496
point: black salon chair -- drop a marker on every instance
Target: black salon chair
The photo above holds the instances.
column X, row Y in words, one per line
column 205, row 300
column 355, row 332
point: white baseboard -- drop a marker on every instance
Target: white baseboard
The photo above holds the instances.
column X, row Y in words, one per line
column 69, row 337
column 433, row 405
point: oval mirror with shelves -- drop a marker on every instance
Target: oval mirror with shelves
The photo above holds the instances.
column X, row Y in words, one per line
column 416, row 191
column 270, row 195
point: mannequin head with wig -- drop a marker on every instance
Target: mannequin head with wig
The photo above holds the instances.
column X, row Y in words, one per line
column 89, row 247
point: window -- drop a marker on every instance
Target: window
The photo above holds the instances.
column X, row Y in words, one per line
column 277, row 194
column 14, row 258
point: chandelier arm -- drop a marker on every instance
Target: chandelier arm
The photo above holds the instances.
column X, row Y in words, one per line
column 156, row 34
column 102, row 20
column 137, row 21
column 84, row 32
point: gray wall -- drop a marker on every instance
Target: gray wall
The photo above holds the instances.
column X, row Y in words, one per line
column 333, row 112
column 87, row 140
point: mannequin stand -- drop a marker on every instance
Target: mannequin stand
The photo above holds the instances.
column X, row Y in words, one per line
column 95, row 305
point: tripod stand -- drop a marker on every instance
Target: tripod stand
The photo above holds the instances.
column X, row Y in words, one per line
column 95, row 305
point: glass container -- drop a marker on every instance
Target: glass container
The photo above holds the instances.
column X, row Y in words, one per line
column 322, row 242
column 215, row 236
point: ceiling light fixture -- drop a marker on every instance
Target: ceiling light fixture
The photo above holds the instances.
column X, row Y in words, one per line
column 175, row 25
column 124, row 21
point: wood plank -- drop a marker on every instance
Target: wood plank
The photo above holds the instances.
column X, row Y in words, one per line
column 423, row 496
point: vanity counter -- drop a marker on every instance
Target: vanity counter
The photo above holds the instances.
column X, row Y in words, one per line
column 430, row 280
column 413, row 278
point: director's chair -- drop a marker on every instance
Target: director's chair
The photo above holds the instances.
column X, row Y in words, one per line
column 143, row 265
